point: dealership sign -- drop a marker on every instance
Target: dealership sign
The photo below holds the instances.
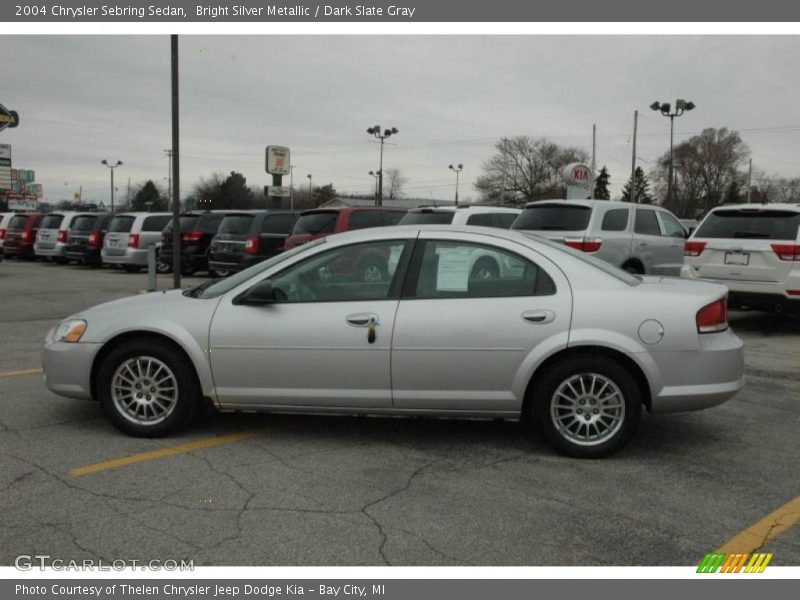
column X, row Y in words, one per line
column 578, row 178
column 278, row 160
column 5, row 167
column 277, row 191
column 8, row 118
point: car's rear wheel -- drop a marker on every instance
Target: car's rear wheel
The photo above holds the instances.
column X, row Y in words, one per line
column 163, row 267
column 132, row 268
column 587, row 406
column 146, row 388
column 219, row 274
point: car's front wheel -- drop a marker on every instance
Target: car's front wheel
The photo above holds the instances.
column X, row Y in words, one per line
column 587, row 406
column 146, row 388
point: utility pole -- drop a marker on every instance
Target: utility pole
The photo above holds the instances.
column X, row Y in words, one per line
column 594, row 153
column 175, row 184
column 749, row 180
column 169, row 176
column 633, row 157
column 291, row 187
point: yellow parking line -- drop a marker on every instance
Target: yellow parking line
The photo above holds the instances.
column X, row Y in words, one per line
column 23, row 372
column 162, row 453
column 758, row 534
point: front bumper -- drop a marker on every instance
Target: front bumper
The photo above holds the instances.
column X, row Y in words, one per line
column 68, row 367
column 694, row 380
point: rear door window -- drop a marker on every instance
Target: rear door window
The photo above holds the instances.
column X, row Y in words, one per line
column 364, row 219
column 554, row 217
column 51, row 221
column 646, row 222
column 236, row 224
column 280, row 224
column 427, row 218
column 121, row 224
column 764, row 224
column 315, row 223
column 156, row 223
column 616, row 219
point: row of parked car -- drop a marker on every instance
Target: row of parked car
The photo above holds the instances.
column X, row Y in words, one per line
column 752, row 248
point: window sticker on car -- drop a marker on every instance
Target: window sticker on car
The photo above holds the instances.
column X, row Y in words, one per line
column 452, row 273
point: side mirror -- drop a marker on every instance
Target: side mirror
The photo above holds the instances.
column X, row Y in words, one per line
column 260, row 294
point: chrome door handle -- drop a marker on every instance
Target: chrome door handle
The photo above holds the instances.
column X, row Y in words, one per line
column 539, row 316
column 362, row 319
column 643, row 243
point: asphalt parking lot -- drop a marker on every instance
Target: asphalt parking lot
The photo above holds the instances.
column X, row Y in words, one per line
column 302, row 490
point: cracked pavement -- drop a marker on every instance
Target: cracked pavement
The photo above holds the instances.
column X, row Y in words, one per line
column 311, row 490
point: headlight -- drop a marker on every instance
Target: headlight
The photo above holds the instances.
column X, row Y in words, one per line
column 70, row 331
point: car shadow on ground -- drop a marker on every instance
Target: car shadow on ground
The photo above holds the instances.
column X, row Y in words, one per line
column 766, row 324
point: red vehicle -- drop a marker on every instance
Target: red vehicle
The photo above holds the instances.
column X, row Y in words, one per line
column 21, row 234
column 319, row 222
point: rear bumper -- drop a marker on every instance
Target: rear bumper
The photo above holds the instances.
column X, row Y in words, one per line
column 67, row 367
column 699, row 379
column 132, row 256
column 758, row 295
column 59, row 250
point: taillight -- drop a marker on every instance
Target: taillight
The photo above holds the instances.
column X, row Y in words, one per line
column 94, row 239
column 787, row 251
column 693, row 248
column 192, row 236
column 25, row 235
column 2, row 234
column 713, row 317
column 62, row 235
column 133, row 240
column 584, row 245
column 251, row 245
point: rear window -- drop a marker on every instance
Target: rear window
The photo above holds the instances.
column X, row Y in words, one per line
column 554, row 217
column 320, row 222
column 277, row 224
column 18, row 222
column 84, row 223
column 51, row 221
column 427, row 218
column 742, row 224
column 187, row 223
column 392, row 217
column 499, row 220
column 121, row 224
column 236, row 224
column 156, row 223
column 209, row 222
column 364, row 219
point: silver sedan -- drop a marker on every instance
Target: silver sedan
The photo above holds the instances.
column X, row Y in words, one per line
column 392, row 321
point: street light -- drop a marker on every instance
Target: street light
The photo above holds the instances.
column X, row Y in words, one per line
column 309, row 186
column 376, row 131
column 377, row 176
column 457, row 170
column 112, row 167
column 681, row 106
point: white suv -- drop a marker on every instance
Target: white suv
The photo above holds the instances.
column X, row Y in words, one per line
column 754, row 249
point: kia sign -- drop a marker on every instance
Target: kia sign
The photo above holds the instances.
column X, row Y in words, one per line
column 577, row 174
column 278, row 160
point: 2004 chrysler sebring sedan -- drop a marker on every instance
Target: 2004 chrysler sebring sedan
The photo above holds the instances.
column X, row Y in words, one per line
column 566, row 341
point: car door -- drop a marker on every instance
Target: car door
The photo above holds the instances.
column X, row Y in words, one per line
column 325, row 342
column 674, row 236
column 649, row 246
column 460, row 342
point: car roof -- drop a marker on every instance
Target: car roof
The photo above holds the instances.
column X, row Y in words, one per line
column 783, row 206
column 324, row 209
column 466, row 208
column 142, row 214
column 591, row 203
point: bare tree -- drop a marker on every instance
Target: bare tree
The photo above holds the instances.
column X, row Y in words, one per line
column 524, row 169
column 774, row 188
column 395, row 181
column 705, row 166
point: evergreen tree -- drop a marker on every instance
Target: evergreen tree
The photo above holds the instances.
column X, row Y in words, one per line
column 601, row 185
column 733, row 195
column 642, row 188
column 148, row 198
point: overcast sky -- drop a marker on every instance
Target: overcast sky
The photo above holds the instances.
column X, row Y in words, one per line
column 85, row 98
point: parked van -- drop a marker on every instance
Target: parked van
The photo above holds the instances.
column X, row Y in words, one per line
column 52, row 237
column 319, row 222
column 130, row 235
column 640, row 238
column 21, row 235
column 85, row 238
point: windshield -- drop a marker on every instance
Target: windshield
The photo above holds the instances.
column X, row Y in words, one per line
column 427, row 218
column 318, row 222
column 121, row 224
column 554, row 217
column 604, row 266
column 749, row 224
column 236, row 224
column 222, row 286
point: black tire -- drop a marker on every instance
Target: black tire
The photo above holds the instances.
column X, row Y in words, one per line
column 188, row 389
column 218, row 274
column 485, row 268
column 187, row 270
column 163, row 268
column 633, row 268
column 373, row 270
column 546, row 412
column 132, row 268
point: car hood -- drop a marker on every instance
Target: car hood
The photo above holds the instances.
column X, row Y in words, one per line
column 151, row 301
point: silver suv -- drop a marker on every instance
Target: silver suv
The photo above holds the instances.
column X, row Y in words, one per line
column 130, row 235
column 466, row 214
column 642, row 239
column 754, row 249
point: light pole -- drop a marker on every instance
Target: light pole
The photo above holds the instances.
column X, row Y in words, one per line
column 112, row 167
column 664, row 108
column 309, row 186
column 376, row 131
column 377, row 176
column 457, row 170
